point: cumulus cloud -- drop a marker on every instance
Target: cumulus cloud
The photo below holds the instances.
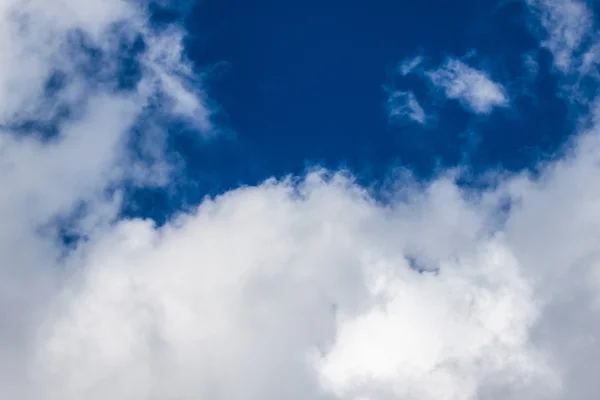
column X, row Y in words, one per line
column 473, row 88
column 402, row 105
column 76, row 79
column 309, row 287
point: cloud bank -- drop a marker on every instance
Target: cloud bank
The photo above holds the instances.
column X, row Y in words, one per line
column 298, row 288
column 77, row 79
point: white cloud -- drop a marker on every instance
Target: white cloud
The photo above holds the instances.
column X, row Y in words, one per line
column 401, row 105
column 305, row 291
column 473, row 88
column 567, row 24
column 301, row 288
column 46, row 179
column 409, row 64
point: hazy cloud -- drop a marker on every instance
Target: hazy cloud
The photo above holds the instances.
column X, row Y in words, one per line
column 409, row 64
column 531, row 66
column 402, row 105
column 566, row 24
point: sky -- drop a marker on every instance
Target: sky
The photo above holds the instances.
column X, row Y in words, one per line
column 304, row 200
column 310, row 84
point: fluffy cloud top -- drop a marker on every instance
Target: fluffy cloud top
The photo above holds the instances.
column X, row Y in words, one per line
column 475, row 90
column 299, row 288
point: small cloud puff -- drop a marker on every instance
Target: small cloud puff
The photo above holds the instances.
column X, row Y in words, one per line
column 475, row 90
column 409, row 64
column 402, row 105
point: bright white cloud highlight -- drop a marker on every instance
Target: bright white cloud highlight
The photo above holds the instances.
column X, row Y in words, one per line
column 304, row 288
column 475, row 90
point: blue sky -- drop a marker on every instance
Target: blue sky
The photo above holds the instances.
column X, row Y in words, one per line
column 304, row 84
column 299, row 200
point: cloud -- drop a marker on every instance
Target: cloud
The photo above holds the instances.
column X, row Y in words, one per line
column 402, row 105
column 67, row 114
column 531, row 65
column 567, row 24
column 475, row 90
column 409, row 64
column 305, row 287
column 568, row 31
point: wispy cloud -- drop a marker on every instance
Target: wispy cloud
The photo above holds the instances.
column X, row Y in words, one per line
column 68, row 108
column 475, row 90
column 531, row 66
column 567, row 29
column 567, row 24
column 409, row 64
column 403, row 105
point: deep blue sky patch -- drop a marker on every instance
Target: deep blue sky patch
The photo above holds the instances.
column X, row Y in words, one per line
column 302, row 84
